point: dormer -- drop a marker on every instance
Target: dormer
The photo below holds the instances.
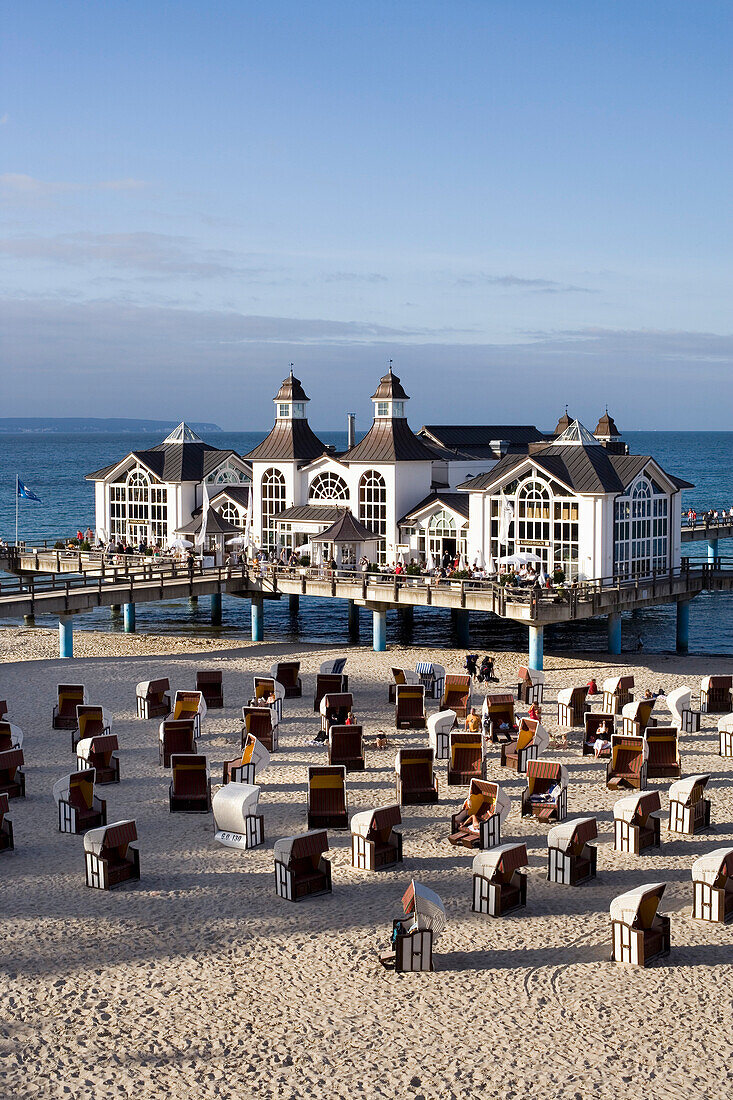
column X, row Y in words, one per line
column 291, row 399
column 389, row 399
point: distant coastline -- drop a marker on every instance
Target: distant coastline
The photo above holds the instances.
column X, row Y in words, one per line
column 69, row 424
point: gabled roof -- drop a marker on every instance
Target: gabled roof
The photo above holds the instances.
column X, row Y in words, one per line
column 173, row 462
column 392, row 440
column 289, row 441
column 347, row 529
column 215, row 525
column 309, row 513
column 455, row 502
column 238, row 493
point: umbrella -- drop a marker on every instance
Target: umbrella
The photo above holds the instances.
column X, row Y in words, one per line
column 180, row 544
column 519, row 559
column 426, row 906
column 430, row 563
column 238, row 540
column 303, row 548
column 490, row 567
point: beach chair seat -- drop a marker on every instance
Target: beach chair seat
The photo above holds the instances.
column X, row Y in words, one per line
column 190, row 787
column 77, row 805
column 636, row 822
column 12, row 776
column 376, row 841
column 301, row 869
column 111, row 855
column 684, row 717
column 432, row 677
column 415, row 780
column 237, row 823
column 440, row 725
column 261, row 722
column 409, row 711
column 712, row 883
column 689, row 810
column 663, row 761
column 153, row 698
column 210, row 683
column 328, row 683
column 572, row 705
column 546, row 794
column 335, row 709
column 571, row 857
column 100, row 753
column 267, row 687
column 628, row 764
column 401, row 676
column 532, row 739
column 11, row 735
column 638, row 933
column 725, row 735
column 175, row 737
column 346, row 746
column 456, row 694
column 91, row 721
column 69, row 696
column 499, row 880
column 6, row 825
column 189, row 705
column 617, row 693
column 287, row 673
column 466, row 757
column 254, row 759
column 490, row 805
column 497, row 713
column 636, row 717
column 715, row 694
column 530, row 685
column 327, row 802
column 594, row 723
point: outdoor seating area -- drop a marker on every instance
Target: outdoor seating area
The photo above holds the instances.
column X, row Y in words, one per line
column 287, row 673
column 530, row 685
column 175, row 737
column 328, row 683
column 715, row 694
column 11, row 735
column 267, row 691
column 376, row 840
column 571, row 706
column 440, row 725
column 636, row 717
column 91, row 721
column 599, row 729
column 638, row 933
column 401, row 677
column 636, row 822
column 335, row 710
column 346, row 747
column 466, row 757
column 189, row 705
column 725, row 735
column 254, row 760
column 499, row 880
column 497, row 713
column 617, row 693
column 12, row 776
column 416, row 931
column 262, row 723
column 684, row 717
column 237, row 823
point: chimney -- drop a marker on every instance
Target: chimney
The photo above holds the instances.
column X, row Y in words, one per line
column 350, row 430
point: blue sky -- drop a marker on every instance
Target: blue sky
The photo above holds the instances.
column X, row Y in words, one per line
column 521, row 203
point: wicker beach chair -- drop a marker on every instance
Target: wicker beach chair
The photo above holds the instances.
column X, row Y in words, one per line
column 415, row 932
column 78, row 807
column 175, row 737
column 715, row 694
column 328, row 683
column 636, row 716
column 401, row 676
column 595, row 721
column 190, row 787
column 153, row 698
column 11, row 735
column 6, row 825
column 490, row 805
column 725, row 735
column 712, row 883
column 432, row 677
column 265, row 687
column 415, row 779
column 663, row 761
column 636, row 822
column 335, row 709
column 572, row 705
column 327, row 801
column 499, row 880
column 100, row 753
column 287, row 673
column 440, row 725
column 638, row 933
column 12, row 776
column 253, row 761
column 530, row 685
column 617, row 693
column 689, row 810
column 546, row 794
column 497, row 712
column 237, row 823
column 456, row 694
column 210, row 683
column 466, row 757
column 334, row 667
column 111, row 855
column 532, row 739
column 91, row 721
column 301, row 870
column 409, row 711
column 69, row 697
column 346, row 746
column 376, row 841
column 571, row 858
column 261, row 722
column 684, row 717
column 628, row 764
column 189, row 704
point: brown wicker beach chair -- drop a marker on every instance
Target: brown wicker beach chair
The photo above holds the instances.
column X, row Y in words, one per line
column 6, row 825
column 91, row 721
column 456, row 694
column 210, row 683
column 111, row 855
column 663, row 761
column 79, row 809
column 594, row 720
column 190, row 788
column 409, row 711
column 287, row 673
column 335, row 709
column 530, row 685
column 69, row 697
column 346, row 746
column 12, row 777
column 498, row 709
column 715, row 694
column 176, row 737
column 546, row 794
column 301, row 870
column 262, row 724
column 712, row 882
column 466, row 757
column 636, row 716
column 327, row 807
column 499, row 883
column 189, row 704
column 571, row 858
column 416, row 782
column 100, row 753
column 532, row 739
column 375, row 841
column 490, row 805
column 627, row 766
column 638, row 933
column 401, row 676
column 153, row 698
column 617, row 693
column 636, row 821
column 328, row 683
column 572, row 705
column 8, row 736
column 689, row 809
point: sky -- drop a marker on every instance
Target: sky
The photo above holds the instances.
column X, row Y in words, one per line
column 521, row 204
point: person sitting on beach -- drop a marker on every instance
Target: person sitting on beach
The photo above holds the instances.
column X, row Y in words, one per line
column 535, row 712
column 592, row 686
column 473, row 722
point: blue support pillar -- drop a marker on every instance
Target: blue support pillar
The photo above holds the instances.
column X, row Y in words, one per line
column 216, row 608
column 258, row 618
column 353, row 620
column 66, row 636
column 293, row 604
column 461, row 620
column 713, row 551
column 614, row 632
column 379, row 631
column 129, row 613
column 536, row 647
column 683, row 626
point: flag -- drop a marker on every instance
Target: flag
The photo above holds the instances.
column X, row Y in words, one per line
column 200, row 538
column 506, row 515
column 26, row 494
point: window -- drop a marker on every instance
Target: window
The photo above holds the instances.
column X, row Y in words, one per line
column 641, row 530
column 273, row 502
column 138, row 509
column 328, row 486
column 382, row 408
column 226, row 475
column 118, row 512
column 299, row 409
column 159, row 513
column 373, row 506
column 398, row 408
column 544, row 523
column 283, row 410
column 565, row 537
column 231, row 513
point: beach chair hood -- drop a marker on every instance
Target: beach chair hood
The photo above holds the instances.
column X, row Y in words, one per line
column 725, row 724
column 614, row 683
column 540, row 737
column 641, row 902
column 312, row 843
column 709, row 867
column 94, row 839
column 384, row 817
column 480, row 788
column 426, row 906
column 505, row 857
column 232, row 804
column 643, row 802
column 678, row 700
column 682, row 789
column 579, row 830
column 61, row 787
column 16, row 733
column 333, row 668
column 255, row 753
column 441, row 722
column 532, row 676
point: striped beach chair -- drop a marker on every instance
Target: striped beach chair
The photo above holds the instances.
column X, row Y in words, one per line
column 546, row 793
column 628, row 764
column 571, row 858
column 712, row 883
column 415, row 780
column 663, row 761
column 638, row 933
column 12, row 776
column 689, row 809
column 490, row 805
column 78, row 807
column 376, row 841
column 327, row 802
column 499, row 880
column 301, row 869
column 111, row 855
column 100, row 753
column 636, row 822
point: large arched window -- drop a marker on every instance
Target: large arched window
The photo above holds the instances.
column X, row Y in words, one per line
column 641, row 530
column 231, row 513
column 273, row 502
column 138, row 509
column 328, row 486
column 540, row 519
column 373, row 506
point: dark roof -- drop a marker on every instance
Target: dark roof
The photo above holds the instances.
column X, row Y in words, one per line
column 289, row 440
column 238, row 493
column 291, row 390
column 458, row 502
column 310, row 513
column 389, row 388
column 347, row 529
column 607, row 426
column 393, row 441
column 173, row 462
column 479, row 440
column 215, row 525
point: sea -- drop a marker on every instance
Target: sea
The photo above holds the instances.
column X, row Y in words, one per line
column 53, row 466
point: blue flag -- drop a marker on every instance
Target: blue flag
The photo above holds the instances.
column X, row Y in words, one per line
column 26, row 494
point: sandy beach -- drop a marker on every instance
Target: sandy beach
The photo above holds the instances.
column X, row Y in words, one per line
column 200, row 981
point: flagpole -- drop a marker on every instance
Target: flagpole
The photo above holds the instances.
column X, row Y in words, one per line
column 17, row 491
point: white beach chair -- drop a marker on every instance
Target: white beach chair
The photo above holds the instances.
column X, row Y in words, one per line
column 439, row 727
column 237, row 824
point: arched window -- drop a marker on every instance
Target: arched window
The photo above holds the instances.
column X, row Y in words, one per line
column 373, row 505
column 442, row 524
column 328, row 486
column 533, row 513
column 273, row 502
column 231, row 513
column 641, row 530
column 138, row 509
column 138, row 505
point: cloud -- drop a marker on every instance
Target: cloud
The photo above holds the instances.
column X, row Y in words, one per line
column 15, row 184
column 538, row 286
column 354, row 277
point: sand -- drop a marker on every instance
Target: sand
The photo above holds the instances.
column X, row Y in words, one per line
column 200, row 981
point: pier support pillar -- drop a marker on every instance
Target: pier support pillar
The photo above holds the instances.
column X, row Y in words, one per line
column 293, row 604
column 614, row 632
column 379, row 631
column 129, row 613
column 462, row 630
column 536, row 647
column 713, row 551
column 66, row 636
column 193, row 601
column 216, row 608
column 258, row 618
column 683, row 626
column 353, row 620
